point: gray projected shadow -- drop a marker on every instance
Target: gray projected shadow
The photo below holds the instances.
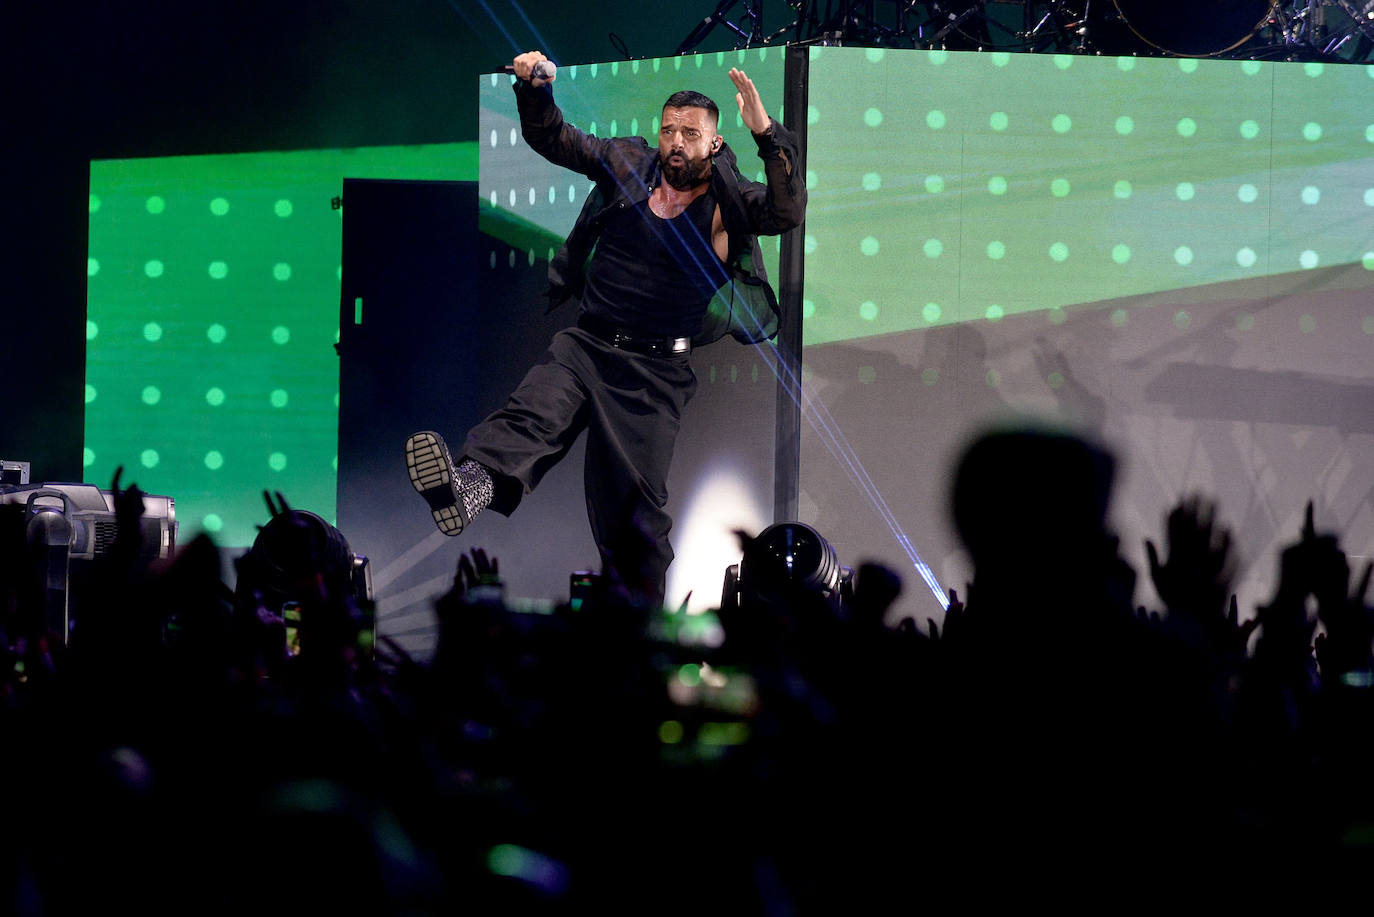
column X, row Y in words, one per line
column 1256, row 393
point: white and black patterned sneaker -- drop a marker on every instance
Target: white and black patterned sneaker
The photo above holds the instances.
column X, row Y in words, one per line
column 455, row 494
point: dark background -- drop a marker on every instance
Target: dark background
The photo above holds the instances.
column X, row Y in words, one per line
column 162, row 78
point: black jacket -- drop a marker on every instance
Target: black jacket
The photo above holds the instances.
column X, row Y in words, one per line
column 625, row 169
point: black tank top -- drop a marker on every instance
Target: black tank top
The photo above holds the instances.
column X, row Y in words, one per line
column 654, row 275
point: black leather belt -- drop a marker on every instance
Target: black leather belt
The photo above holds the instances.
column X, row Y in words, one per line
column 621, row 338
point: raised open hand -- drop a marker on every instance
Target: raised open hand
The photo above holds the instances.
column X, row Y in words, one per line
column 750, row 104
column 477, row 571
column 1195, row 578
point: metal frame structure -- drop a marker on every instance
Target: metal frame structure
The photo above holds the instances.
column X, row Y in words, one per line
column 1336, row 31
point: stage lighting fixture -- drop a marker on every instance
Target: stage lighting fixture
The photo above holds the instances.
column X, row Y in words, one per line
column 785, row 556
column 14, row 474
column 295, row 554
column 69, row 525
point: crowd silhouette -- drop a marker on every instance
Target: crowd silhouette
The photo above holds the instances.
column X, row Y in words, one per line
column 197, row 749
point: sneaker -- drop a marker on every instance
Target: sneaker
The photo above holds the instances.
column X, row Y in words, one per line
column 455, row 494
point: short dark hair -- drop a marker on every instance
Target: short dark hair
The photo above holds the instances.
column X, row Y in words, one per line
column 690, row 98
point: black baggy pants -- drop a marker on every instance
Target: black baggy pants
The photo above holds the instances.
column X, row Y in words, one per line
column 631, row 405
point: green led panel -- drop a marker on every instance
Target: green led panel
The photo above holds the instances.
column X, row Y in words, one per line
column 212, row 313
column 951, row 187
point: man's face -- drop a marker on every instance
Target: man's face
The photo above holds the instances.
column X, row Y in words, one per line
column 685, row 144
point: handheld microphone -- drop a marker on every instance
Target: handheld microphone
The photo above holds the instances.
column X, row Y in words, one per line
column 545, row 70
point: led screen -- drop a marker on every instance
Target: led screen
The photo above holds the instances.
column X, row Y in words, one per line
column 212, row 313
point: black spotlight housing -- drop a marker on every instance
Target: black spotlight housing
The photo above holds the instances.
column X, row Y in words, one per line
column 297, row 557
column 787, row 557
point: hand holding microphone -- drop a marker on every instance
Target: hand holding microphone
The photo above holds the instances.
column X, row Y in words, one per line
column 534, row 67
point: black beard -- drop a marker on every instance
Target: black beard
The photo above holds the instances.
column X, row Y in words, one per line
column 681, row 178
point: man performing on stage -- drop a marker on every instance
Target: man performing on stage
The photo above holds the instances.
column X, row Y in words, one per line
column 664, row 255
